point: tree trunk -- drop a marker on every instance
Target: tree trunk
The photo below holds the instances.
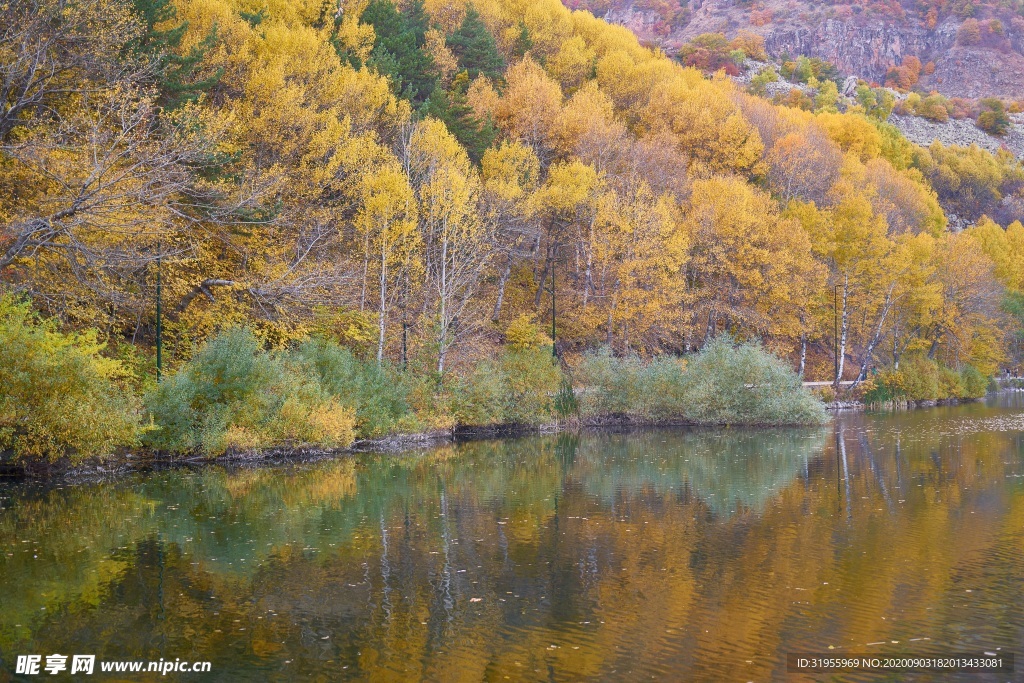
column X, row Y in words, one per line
column 543, row 279
column 886, row 307
column 843, row 329
column 383, row 305
column 442, row 341
column 588, row 281
column 709, row 330
column 803, row 355
column 502, row 283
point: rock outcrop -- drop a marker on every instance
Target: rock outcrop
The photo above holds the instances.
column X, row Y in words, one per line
column 859, row 43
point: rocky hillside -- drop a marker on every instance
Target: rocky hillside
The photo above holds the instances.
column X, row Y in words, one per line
column 970, row 50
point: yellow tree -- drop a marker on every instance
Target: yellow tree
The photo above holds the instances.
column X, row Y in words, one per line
column 386, row 220
column 565, row 208
column 969, row 325
column 852, row 242
column 511, row 174
column 530, row 108
column 707, row 123
column 457, row 243
column 749, row 267
column 640, row 247
column 1005, row 248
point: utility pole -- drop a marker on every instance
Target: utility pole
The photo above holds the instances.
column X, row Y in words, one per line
column 159, row 315
column 405, row 345
column 554, row 348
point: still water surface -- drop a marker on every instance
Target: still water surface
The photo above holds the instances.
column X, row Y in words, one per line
column 672, row 555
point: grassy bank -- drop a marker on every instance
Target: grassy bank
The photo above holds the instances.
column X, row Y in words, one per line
column 69, row 399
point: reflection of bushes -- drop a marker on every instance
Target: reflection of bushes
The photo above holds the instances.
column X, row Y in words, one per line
column 726, row 383
column 60, row 396
column 922, row 379
column 725, row 468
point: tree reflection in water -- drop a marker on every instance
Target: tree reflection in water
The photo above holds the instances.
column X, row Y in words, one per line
column 693, row 554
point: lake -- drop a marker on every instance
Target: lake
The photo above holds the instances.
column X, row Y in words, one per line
column 703, row 555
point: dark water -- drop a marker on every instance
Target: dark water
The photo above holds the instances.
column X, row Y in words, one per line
column 670, row 555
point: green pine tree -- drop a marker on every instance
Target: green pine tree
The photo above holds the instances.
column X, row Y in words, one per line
column 178, row 77
column 523, row 42
column 453, row 109
column 398, row 48
column 475, row 49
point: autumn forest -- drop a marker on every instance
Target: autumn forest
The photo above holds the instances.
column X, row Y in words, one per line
column 421, row 194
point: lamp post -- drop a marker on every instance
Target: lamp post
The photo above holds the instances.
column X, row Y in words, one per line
column 405, row 345
column 159, row 315
column 554, row 347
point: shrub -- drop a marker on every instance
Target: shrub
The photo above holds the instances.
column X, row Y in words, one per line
column 920, row 379
column 726, row 383
column 993, row 118
column 975, row 384
column 61, row 397
column 479, row 399
column 235, row 396
column 524, row 333
column 887, row 385
column 950, row 384
column 969, row 32
column 611, row 385
column 730, row 383
column 520, row 387
column 826, row 394
column 661, row 389
column 935, row 107
column 759, row 82
column 532, row 377
column 378, row 394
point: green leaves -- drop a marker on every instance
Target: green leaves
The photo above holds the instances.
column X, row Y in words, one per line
column 181, row 78
column 475, row 49
column 397, row 49
column 61, row 397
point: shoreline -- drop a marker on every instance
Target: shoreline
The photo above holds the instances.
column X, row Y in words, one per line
column 123, row 464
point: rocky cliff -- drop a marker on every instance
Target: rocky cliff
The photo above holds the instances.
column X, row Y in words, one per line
column 860, row 42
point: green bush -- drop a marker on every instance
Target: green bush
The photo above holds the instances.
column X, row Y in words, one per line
column 610, row 385
column 742, row 383
column 950, row 384
column 378, row 394
column 61, row 397
column 234, row 396
column 520, row 387
column 922, row 379
column 726, row 383
column 661, row 389
column 479, row 398
column 975, row 384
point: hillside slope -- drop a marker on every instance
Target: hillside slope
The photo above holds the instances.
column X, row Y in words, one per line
column 976, row 49
column 424, row 182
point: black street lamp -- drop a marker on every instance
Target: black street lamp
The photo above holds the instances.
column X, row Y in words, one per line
column 554, row 347
column 159, row 315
